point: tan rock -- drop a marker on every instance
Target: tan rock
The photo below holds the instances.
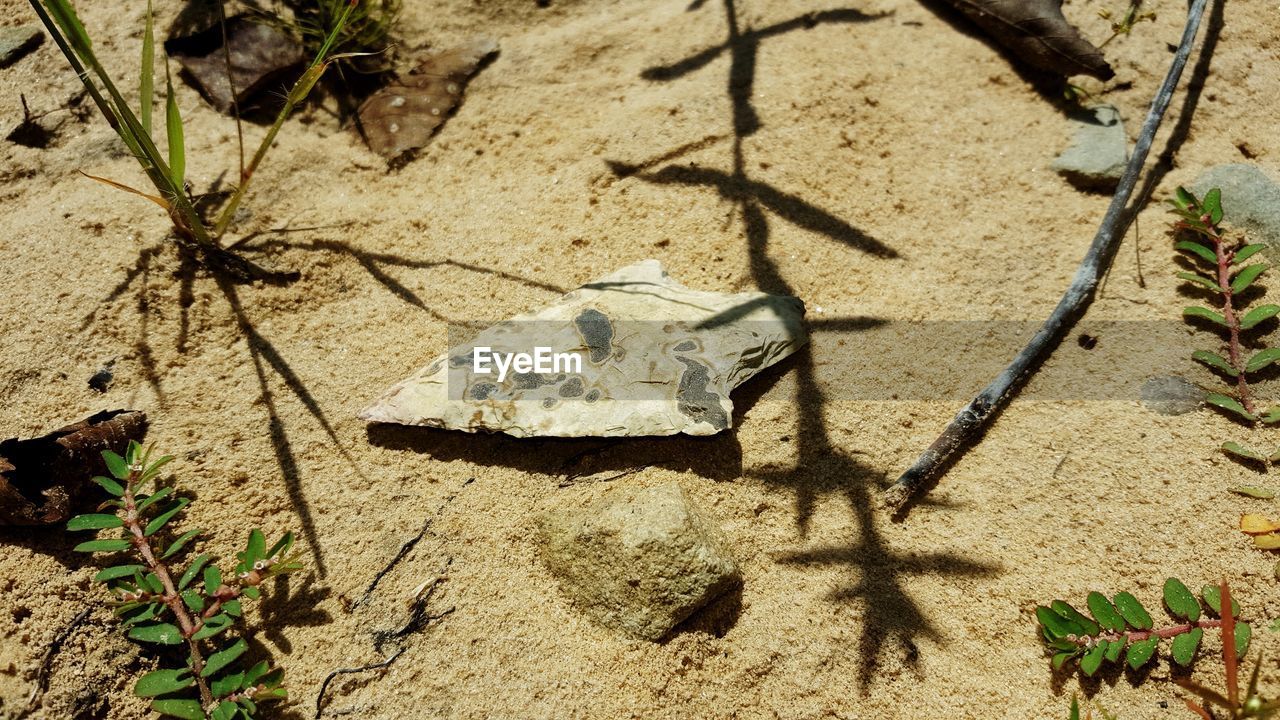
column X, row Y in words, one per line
column 639, row 560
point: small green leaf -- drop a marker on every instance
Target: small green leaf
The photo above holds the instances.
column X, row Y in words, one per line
column 193, row 600
column 173, row 125
column 224, row 657
column 1180, row 601
column 282, row 546
column 1245, row 277
column 116, row 464
column 1271, row 415
column 159, row 521
column 115, row 573
column 146, row 79
column 1075, row 708
column 1132, row 611
column 176, row 545
column 226, row 685
column 1184, row 199
column 213, row 626
column 1199, row 279
column 103, row 546
column 148, row 612
column 232, row 608
column 1200, row 251
column 1253, row 491
column 1212, row 595
column 1092, row 659
column 1140, row 652
column 212, row 579
column 1261, row 359
column 160, row 682
column 1257, row 315
column 159, row 633
column 1226, row 402
column 1068, row 612
column 225, row 711
column 154, row 497
column 153, row 583
column 252, row 674
column 1114, row 648
column 184, row 709
column 1213, row 205
column 193, row 571
column 110, row 485
column 1243, row 633
column 1247, row 252
column 1214, row 361
column 1105, row 614
column 1235, row 448
column 251, row 592
column 1185, row 645
column 1206, row 313
column 96, row 521
column 1056, row 625
column 256, row 548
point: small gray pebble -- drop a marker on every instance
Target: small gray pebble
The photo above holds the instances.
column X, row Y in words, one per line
column 1171, row 395
column 16, row 42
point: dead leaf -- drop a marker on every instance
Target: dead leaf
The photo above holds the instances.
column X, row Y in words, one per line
column 1254, row 524
column 1267, row 542
column 43, row 479
column 263, row 59
column 1038, row 33
column 1253, row 491
column 403, row 116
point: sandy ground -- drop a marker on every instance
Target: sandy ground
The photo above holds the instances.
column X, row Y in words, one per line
column 897, row 171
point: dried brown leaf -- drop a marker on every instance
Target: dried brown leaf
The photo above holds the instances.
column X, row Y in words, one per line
column 403, row 116
column 1038, row 33
column 43, row 479
column 263, row 59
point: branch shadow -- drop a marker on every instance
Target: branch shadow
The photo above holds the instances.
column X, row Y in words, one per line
column 820, row 468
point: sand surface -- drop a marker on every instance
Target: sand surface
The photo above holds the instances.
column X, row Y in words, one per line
column 892, row 167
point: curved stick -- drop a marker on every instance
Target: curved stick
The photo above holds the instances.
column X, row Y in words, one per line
column 973, row 419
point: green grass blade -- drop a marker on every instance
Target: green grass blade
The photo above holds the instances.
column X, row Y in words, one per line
column 146, row 82
column 173, row 125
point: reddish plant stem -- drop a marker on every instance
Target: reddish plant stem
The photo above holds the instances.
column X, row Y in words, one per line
column 171, row 598
column 1226, row 256
column 1140, row 635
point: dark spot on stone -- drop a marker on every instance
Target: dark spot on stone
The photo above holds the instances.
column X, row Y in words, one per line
column 529, row 381
column 686, row 346
column 1087, row 341
column 481, row 391
column 596, row 332
column 463, row 360
column 592, row 396
column 572, row 388
column 548, row 402
column 694, row 400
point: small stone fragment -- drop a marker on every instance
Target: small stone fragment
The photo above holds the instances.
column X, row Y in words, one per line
column 1171, row 395
column 1250, row 201
column 633, row 353
column 102, row 379
column 16, row 42
column 639, row 560
column 1098, row 153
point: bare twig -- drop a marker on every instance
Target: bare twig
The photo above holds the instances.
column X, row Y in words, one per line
column 968, row 425
column 324, row 686
column 406, row 547
column 46, row 665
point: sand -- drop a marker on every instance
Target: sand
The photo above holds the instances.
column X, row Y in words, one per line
column 896, row 171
